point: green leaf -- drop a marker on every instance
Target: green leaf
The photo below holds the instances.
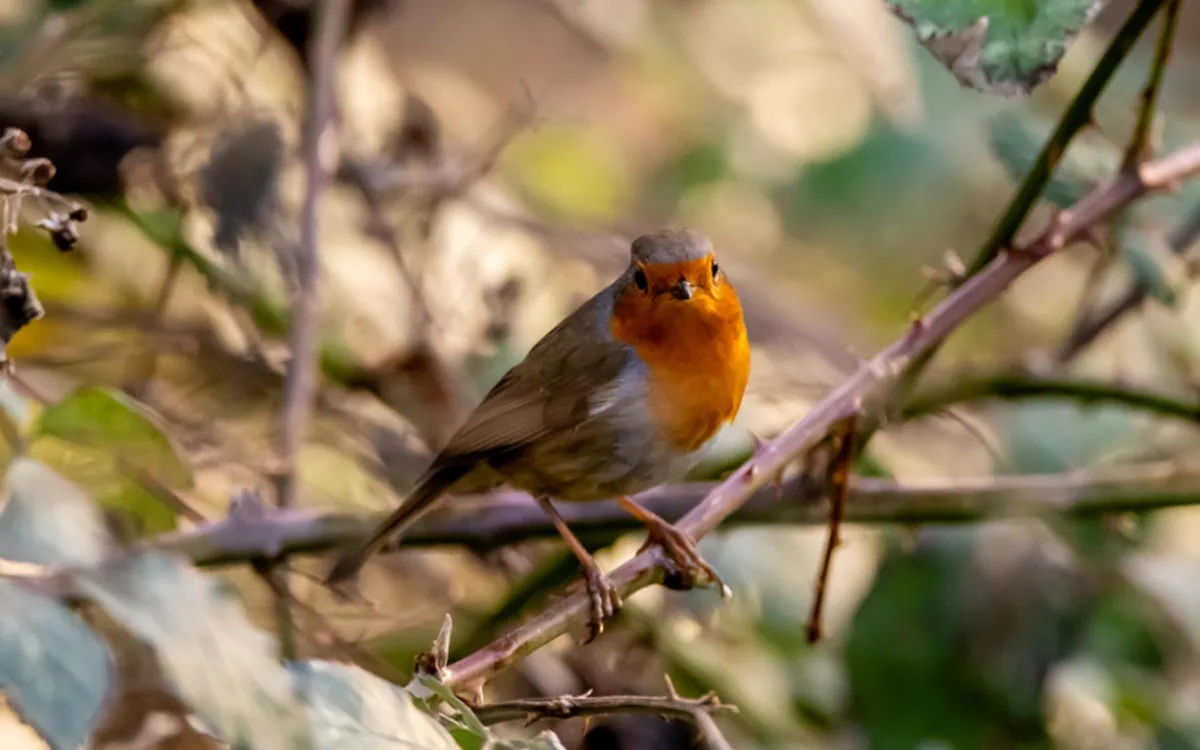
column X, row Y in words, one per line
column 1015, row 140
column 469, row 720
column 350, row 707
column 1151, row 263
column 49, row 520
column 547, row 740
column 111, row 421
column 53, row 668
column 128, row 501
column 466, row 728
column 219, row 663
column 1000, row 46
column 145, row 513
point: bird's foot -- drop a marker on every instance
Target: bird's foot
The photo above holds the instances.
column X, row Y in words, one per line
column 687, row 566
column 604, row 597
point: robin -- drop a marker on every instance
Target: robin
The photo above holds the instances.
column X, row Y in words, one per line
column 622, row 395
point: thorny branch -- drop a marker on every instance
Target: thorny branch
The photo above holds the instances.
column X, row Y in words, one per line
column 870, row 382
column 946, row 392
column 320, row 154
column 1090, row 327
column 1090, row 324
column 569, row 707
column 1139, row 142
column 506, row 518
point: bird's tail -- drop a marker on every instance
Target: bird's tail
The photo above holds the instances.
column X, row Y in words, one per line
column 421, row 499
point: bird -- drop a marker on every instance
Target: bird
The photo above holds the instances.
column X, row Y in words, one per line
column 624, row 394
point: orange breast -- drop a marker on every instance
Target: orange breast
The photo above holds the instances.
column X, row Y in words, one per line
column 698, row 357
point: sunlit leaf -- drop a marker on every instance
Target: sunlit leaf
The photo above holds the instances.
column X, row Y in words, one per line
column 128, row 501
column 109, row 420
column 49, row 520
column 146, row 513
column 53, row 668
column 1002, row 46
column 349, row 707
column 217, row 661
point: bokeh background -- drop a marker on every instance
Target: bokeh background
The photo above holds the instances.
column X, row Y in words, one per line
column 496, row 157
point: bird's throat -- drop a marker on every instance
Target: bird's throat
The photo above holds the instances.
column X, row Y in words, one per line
column 698, row 359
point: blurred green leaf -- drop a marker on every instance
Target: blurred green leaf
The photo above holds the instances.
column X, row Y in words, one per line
column 571, row 172
column 907, row 625
column 53, row 668
column 111, row 421
column 142, row 513
column 1015, row 140
column 1148, row 257
column 1050, row 437
column 1120, row 632
column 350, row 707
column 971, row 643
column 126, row 502
column 1053, row 437
column 1000, row 46
column 698, row 164
column 49, row 520
column 218, row 662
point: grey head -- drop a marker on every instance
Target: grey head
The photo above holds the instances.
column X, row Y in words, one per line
column 670, row 246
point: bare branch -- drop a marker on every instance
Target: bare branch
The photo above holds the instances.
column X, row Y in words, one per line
column 505, row 518
column 331, row 17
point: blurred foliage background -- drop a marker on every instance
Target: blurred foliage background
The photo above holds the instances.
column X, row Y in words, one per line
column 494, row 155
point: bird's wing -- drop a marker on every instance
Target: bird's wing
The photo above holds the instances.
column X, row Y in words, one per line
column 563, row 380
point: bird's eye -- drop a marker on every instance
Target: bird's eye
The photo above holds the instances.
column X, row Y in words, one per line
column 715, row 269
column 639, row 278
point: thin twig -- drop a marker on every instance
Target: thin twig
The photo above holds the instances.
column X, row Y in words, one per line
column 707, row 726
column 1138, row 148
column 871, row 381
column 839, row 487
column 1090, row 327
column 960, row 388
column 506, row 518
column 331, row 18
column 1139, row 143
column 569, row 707
column 143, row 368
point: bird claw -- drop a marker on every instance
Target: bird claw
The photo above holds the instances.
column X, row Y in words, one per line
column 605, row 600
column 686, row 567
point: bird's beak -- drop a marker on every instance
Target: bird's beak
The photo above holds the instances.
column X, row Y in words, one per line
column 683, row 289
